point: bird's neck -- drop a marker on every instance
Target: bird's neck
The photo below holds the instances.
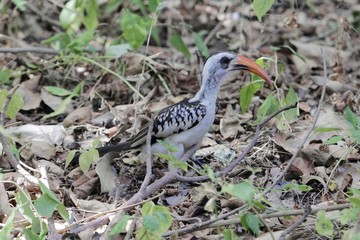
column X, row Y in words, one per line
column 208, row 92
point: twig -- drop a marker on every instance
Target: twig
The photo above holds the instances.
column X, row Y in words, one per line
column 44, row 50
column 29, row 49
column 255, row 139
column 217, row 223
column 130, row 229
column 13, row 161
column 6, row 104
column 107, row 213
column 317, row 114
column 293, row 226
column 93, row 224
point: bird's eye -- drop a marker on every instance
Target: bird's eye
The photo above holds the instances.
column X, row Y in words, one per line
column 224, row 61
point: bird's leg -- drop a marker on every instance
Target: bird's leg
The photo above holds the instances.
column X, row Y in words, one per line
column 190, row 152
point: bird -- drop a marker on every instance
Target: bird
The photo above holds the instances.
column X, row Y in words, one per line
column 184, row 124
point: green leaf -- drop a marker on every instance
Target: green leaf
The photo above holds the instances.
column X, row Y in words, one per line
column 210, row 173
column 60, row 41
column 46, row 190
column 77, row 90
column 210, row 205
column 177, row 42
column 290, row 115
column 63, row 212
column 229, row 234
column 349, row 215
column 87, row 158
column 173, row 160
column 118, row 50
column 68, row 14
column 5, row 75
column 153, row 4
column 199, row 42
column 45, row 205
column 244, row 191
column 134, row 27
column 70, row 157
column 351, row 118
column 112, row 5
column 81, row 41
column 155, row 34
column 251, row 222
column 333, row 140
column 91, row 17
column 120, row 226
column 61, row 92
column 323, row 225
column 261, row 7
column 156, row 219
column 60, row 110
column 21, row 4
column 15, row 104
column 295, row 53
column 140, row 4
column 298, row 187
column 324, row 129
column 63, row 106
column 246, row 94
column 5, row 231
column 355, row 135
column 270, row 105
column 166, row 145
column 24, row 200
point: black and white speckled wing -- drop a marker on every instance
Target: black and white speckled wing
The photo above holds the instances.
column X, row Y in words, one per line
column 171, row 120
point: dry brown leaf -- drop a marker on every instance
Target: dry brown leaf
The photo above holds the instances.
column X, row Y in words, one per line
column 30, row 92
column 94, row 205
column 313, row 50
column 230, row 124
column 302, row 166
column 50, row 100
column 78, row 116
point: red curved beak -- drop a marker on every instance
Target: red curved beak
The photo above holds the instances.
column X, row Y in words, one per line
column 243, row 63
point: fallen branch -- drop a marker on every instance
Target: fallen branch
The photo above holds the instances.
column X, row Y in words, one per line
column 293, row 226
column 12, row 159
column 217, row 222
column 29, row 50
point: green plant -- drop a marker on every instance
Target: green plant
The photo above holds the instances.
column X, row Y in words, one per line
column 156, row 220
column 352, row 132
column 261, row 7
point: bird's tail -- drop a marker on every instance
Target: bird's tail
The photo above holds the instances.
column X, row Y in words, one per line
column 120, row 147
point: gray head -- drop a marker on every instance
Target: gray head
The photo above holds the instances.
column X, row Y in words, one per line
column 217, row 66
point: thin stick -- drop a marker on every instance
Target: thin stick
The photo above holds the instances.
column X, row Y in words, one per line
column 6, row 104
column 29, row 50
column 107, row 213
column 217, row 223
column 293, row 226
column 12, row 159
